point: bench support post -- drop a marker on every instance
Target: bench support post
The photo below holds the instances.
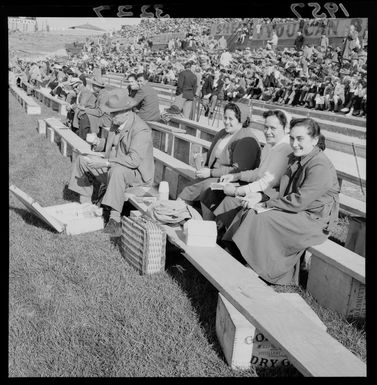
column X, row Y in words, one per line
column 50, row 134
column 41, row 127
column 63, row 109
column 63, row 147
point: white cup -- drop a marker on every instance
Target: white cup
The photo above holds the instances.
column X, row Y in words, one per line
column 163, row 191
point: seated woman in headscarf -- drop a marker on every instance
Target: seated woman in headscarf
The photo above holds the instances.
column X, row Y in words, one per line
column 302, row 214
column 233, row 149
column 274, row 162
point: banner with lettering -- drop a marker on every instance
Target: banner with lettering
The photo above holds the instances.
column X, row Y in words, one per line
column 334, row 28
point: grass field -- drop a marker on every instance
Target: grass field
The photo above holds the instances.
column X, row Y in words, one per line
column 39, row 43
column 76, row 309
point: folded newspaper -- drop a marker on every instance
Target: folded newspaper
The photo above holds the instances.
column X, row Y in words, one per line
column 221, row 185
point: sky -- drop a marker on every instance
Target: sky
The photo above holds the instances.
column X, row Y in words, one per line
column 107, row 23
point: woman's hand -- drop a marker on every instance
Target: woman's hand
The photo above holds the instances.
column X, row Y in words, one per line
column 249, row 201
column 227, row 178
column 230, row 189
column 203, row 173
column 242, row 191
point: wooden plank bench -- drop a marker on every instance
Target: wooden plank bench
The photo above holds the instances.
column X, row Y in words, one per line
column 284, row 325
column 51, row 101
column 70, row 143
column 172, row 170
column 352, row 206
column 27, row 102
column 337, row 279
column 165, row 139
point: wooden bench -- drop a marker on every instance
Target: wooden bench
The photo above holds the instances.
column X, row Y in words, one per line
column 352, row 206
column 27, row 102
column 172, row 170
column 165, row 138
column 284, row 325
column 70, row 143
column 51, row 101
column 337, row 279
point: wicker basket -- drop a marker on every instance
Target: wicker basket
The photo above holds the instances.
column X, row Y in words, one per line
column 143, row 244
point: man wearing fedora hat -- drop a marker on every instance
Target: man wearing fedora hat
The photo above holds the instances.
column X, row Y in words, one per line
column 95, row 118
column 130, row 163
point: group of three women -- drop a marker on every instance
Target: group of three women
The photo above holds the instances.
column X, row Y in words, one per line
column 286, row 198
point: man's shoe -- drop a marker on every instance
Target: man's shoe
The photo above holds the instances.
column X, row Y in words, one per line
column 113, row 228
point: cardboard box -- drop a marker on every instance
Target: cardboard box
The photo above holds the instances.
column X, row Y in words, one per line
column 72, row 218
column 200, row 233
column 243, row 344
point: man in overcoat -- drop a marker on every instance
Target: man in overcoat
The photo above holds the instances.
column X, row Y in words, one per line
column 129, row 163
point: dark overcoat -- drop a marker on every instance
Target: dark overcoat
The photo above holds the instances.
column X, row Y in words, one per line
column 304, row 212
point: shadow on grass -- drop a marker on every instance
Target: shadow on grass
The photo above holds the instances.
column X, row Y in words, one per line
column 194, row 285
column 32, row 219
column 69, row 195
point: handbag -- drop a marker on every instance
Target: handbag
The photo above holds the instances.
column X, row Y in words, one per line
column 143, row 244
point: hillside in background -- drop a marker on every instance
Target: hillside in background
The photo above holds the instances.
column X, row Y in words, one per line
column 40, row 43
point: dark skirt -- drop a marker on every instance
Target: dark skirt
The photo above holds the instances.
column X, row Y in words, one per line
column 226, row 210
column 194, row 190
column 272, row 242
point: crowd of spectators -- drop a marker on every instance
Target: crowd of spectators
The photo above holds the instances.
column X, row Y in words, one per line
column 320, row 77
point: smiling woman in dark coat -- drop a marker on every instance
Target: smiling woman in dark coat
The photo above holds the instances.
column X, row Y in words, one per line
column 233, row 149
